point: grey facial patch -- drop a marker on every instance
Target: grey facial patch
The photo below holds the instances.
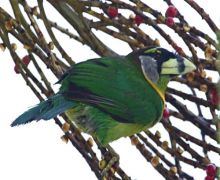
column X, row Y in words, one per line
column 149, row 68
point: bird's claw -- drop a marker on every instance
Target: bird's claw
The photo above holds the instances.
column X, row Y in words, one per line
column 109, row 167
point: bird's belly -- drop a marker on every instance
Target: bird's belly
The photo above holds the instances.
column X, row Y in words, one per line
column 101, row 125
column 82, row 117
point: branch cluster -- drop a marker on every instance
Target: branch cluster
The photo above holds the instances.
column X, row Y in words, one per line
column 85, row 16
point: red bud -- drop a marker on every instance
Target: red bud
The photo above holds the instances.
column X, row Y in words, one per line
column 171, row 11
column 211, row 170
column 26, row 60
column 166, row 113
column 112, row 11
column 138, row 20
column 169, row 21
column 214, row 96
column 17, row 69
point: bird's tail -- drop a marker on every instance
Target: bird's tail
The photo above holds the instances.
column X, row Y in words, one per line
column 45, row 110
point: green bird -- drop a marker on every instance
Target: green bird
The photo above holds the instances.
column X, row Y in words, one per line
column 113, row 97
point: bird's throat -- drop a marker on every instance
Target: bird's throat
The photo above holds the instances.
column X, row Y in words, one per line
column 162, row 84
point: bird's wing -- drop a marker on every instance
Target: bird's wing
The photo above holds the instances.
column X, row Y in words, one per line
column 115, row 86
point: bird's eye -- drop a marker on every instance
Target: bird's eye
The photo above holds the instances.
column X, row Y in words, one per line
column 157, row 56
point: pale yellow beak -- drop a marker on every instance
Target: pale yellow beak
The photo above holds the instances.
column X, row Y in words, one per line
column 175, row 66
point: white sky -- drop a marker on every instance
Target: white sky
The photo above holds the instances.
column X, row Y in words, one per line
column 35, row 151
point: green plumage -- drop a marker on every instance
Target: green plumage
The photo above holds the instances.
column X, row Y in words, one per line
column 108, row 97
column 121, row 103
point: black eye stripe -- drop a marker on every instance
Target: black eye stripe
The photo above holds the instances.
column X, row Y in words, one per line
column 159, row 66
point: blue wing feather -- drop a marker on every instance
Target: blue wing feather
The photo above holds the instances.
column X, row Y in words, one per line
column 45, row 110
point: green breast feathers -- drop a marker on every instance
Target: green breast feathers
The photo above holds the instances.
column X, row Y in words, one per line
column 113, row 97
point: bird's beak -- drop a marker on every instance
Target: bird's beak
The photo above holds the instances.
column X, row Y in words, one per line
column 177, row 66
column 189, row 66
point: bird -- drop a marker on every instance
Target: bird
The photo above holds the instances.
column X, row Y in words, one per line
column 113, row 97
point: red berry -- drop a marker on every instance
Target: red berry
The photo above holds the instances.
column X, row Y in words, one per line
column 211, row 170
column 171, row 11
column 210, row 178
column 17, row 69
column 169, row 21
column 138, row 20
column 26, row 60
column 112, row 11
column 179, row 50
column 166, row 113
column 214, row 96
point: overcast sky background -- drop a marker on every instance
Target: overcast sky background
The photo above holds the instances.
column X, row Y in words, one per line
column 35, row 151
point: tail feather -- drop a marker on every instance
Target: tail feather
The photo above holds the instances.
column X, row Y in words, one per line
column 45, row 110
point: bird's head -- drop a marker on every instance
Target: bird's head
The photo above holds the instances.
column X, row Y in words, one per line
column 157, row 62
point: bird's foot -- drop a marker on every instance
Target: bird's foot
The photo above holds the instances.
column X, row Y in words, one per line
column 110, row 166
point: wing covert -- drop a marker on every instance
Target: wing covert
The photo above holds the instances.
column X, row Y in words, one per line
column 115, row 86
